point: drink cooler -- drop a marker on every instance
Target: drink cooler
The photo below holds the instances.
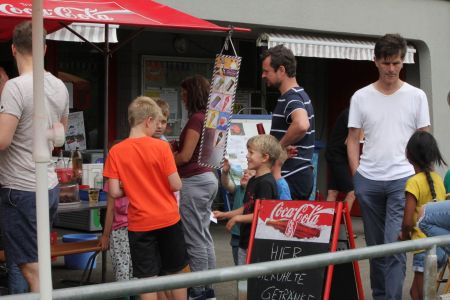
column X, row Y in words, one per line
column 87, row 220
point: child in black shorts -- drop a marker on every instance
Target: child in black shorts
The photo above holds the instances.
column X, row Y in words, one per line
column 146, row 168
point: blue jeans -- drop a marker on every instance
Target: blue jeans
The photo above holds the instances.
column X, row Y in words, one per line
column 382, row 205
column 18, row 220
column 234, row 243
column 419, row 260
column 16, row 282
column 242, row 256
column 436, row 220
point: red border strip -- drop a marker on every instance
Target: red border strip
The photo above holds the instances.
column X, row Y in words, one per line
column 252, row 232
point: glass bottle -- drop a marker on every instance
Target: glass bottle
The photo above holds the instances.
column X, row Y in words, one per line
column 60, row 162
column 60, row 167
column 98, row 181
column 77, row 166
column 69, row 170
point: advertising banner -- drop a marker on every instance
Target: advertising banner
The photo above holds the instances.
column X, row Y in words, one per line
column 219, row 113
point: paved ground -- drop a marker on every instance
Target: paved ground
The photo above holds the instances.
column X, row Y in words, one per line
column 228, row 290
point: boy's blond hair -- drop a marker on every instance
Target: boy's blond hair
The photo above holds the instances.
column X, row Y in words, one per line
column 141, row 108
column 165, row 108
column 266, row 144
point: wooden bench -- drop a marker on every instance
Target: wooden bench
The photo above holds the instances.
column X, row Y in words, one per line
column 62, row 249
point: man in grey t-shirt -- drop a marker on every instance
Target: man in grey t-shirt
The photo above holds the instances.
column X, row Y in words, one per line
column 16, row 282
column 17, row 178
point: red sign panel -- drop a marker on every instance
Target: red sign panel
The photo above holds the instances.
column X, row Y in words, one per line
column 305, row 221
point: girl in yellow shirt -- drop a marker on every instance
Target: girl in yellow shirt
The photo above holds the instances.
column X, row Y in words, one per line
column 425, row 186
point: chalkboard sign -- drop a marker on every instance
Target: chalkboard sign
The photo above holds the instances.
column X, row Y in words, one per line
column 289, row 229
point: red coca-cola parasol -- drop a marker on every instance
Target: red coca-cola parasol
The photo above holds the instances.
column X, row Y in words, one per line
column 142, row 13
column 136, row 13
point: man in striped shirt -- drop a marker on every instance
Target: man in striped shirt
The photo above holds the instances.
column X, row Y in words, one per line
column 292, row 120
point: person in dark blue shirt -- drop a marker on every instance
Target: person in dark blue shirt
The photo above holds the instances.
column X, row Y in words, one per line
column 292, row 120
column 340, row 179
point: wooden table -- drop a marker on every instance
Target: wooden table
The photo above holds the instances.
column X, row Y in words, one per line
column 84, row 206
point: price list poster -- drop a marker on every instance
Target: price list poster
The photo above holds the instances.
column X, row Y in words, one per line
column 219, row 112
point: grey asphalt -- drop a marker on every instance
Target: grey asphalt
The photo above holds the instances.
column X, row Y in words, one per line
column 228, row 290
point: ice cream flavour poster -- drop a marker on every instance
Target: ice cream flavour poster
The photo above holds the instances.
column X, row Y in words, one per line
column 219, row 110
column 304, row 221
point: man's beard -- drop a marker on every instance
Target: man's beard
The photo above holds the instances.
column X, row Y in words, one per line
column 275, row 85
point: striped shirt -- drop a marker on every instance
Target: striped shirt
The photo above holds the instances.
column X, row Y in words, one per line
column 295, row 98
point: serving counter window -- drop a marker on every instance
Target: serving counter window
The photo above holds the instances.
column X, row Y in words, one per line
column 161, row 77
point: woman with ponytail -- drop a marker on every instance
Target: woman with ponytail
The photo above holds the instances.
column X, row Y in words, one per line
column 199, row 184
column 425, row 186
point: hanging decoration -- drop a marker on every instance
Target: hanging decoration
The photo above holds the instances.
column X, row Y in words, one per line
column 220, row 107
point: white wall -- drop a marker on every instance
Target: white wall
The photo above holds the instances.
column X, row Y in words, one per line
column 426, row 23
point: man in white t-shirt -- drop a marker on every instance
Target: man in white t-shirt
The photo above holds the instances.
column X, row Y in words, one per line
column 17, row 176
column 389, row 111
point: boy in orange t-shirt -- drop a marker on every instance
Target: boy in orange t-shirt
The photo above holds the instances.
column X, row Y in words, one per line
column 146, row 168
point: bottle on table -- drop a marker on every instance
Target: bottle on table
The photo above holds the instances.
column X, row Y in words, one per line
column 77, row 166
column 98, row 181
column 60, row 162
column 60, row 169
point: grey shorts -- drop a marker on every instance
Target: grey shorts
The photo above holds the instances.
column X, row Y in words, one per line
column 18, row 218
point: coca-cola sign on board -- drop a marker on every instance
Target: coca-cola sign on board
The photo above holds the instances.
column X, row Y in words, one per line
column 290, row 220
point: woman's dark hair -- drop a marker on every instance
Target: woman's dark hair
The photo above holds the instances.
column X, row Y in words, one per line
column 422, row 150
column 197, row 89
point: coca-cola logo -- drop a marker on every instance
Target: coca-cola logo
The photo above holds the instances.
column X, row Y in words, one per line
column 305, row 214
column 64, row 12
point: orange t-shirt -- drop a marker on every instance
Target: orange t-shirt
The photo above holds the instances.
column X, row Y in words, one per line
column 143, row 165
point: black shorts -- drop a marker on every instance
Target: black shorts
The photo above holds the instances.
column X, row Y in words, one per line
column 301, row 184
column 158, row 252
column 340, row 178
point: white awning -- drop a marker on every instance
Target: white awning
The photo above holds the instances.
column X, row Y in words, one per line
column 327, row 47
column 94, row 33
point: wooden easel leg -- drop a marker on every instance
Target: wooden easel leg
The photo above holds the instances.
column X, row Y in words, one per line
column 440, row 277
column 351, row 239
column 334, row 242
column 447, row 284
